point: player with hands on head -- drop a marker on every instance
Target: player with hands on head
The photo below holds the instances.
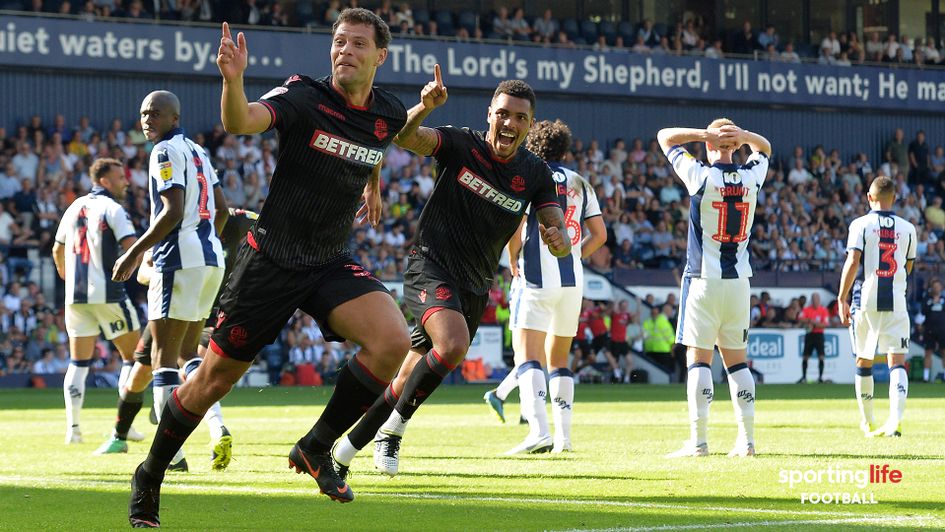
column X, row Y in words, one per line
column 715, row 308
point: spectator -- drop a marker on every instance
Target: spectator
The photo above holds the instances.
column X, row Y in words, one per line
column 715, row 51
column 648, row 34
column 874, row 48
column 935, row 216
column 789, row 55
column 919, row 159
column 897, row 151
column 502, row 25
column 658, row 337
column 891, row 52
column 768, row 38
column 831, row 45
column 520, row 28
column 545, row 28
column 745, row 42
column 25, row 162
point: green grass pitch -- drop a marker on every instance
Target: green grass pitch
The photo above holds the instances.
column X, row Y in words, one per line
column 453, row 477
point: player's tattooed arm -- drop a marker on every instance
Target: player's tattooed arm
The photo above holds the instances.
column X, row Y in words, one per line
column 414, row 137
column 553, row 232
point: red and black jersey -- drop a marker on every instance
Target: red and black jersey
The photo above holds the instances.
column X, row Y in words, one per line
column 477, row 204
column 327, row 149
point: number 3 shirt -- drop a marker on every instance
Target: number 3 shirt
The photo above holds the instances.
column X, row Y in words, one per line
column 721, row 211
column 177, row 162
column 887, row 242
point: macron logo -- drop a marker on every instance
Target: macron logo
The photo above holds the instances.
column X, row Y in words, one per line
column 488, row 192
column 345, row 149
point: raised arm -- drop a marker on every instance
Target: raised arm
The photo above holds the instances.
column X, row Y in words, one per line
column 553, row 232
column 674, row 136
column 414, row 137
column 238, row 115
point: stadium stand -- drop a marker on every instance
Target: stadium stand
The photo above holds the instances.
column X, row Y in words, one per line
column 809, row 199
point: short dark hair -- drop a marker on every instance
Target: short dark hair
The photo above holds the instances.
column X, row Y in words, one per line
column 359, row 15
column 883, row 186
column 549, row 140
column 517, row 89
column 101, row 167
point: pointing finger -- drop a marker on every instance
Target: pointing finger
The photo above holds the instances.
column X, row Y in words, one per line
column 241, row 41
column 226, row 31
column 437, row 76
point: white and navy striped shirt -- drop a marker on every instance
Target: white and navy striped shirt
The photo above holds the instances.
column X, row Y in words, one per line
column 540, row 268
column 177, row 162
column 91, row 230
column 887, row 243
column 721, row 212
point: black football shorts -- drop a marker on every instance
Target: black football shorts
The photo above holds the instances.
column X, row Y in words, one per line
column 260, row 297
column 427, row 289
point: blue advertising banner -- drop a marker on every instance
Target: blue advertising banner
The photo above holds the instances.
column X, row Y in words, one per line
column 150, row 48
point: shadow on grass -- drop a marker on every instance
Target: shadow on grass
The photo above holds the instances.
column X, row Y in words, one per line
column 316, row 397
column 100, row 509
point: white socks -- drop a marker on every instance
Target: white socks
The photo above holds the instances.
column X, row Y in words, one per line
column 344, row 451
column 165, row 381
column 699, row 392
column 73, row 390
column 741, row 385
column 863, row 385
column 214, row 420
column 532, row 392
column 214, row 416
column 126, row 366
column 561, row 386
column 509, row 383
column 898, row 391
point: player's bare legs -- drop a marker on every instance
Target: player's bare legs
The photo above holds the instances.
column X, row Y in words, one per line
column 529, row 344
column 561, row 390
column 168, row 342
column 898, row 392
column 126, row 344
column 73, row 385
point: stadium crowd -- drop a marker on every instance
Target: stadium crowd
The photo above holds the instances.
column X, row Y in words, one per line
column 811, row 195
column 689, row 36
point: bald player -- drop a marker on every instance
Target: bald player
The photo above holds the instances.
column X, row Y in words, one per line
column 885, row 245
column 188, row 212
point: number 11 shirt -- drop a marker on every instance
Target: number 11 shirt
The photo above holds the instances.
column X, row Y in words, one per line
column 721, row 211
